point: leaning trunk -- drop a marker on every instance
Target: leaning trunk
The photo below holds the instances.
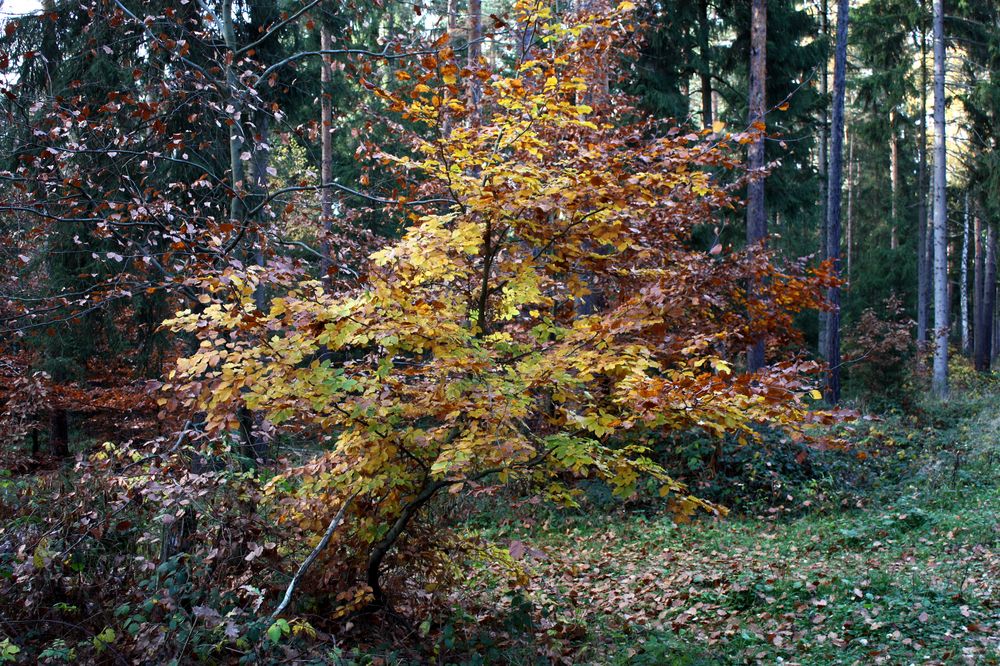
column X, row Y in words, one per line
column 373, row 575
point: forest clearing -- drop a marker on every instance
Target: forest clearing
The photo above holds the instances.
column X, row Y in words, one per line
column 519, row 332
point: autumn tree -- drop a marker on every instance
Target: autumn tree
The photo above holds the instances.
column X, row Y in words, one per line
column 462, row 361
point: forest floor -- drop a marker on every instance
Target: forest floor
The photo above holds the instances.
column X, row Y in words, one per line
column 903, row 570
column 881, row 551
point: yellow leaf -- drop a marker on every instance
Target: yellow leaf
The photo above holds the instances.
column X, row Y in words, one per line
column 718, row 126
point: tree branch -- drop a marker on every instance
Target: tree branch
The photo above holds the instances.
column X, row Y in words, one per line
column 334, row 524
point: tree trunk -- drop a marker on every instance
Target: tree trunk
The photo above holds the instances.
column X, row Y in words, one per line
column 978, row 264
column 964, row 285
column 984, row 351
column 373, row 575
column 940, row 382
column 833, row 208
column 59, row 432
column 893, row 180
column 824, row 139
column 756, row 216
column 237, row 142
column 704, row 65
column 326, row 151
column 851, row 172
column 996, row 336
column 475, row 52
column 923, row 274
column 261, row 152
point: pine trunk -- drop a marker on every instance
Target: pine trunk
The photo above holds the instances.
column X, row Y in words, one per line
column 833, row 207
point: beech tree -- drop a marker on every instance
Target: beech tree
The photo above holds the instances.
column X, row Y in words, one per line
column 462, row 360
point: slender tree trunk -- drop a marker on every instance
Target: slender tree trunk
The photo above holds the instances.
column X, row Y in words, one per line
column 704, row 65
column 382, row 548
column 923, row 274
column 756, row 215
column 241, row 142
column 940, row 382
column 824, row 140
column 978, row 264
column 254, row 445
column 326, row 149
column 261, row 161
column 894, row 180
column 59, row 432
column 964, row 286
column 996, row 337
column 952, row 284
column 990, row 294
column 851, row 172
column 833, row 208
column 475, row 53
column 237, row 143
